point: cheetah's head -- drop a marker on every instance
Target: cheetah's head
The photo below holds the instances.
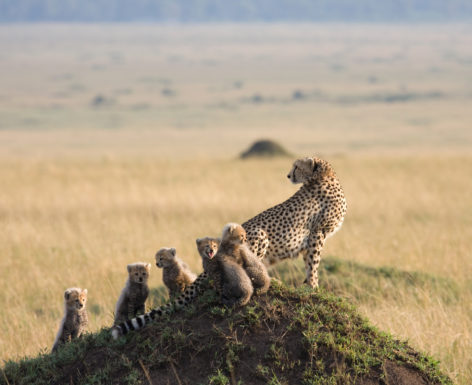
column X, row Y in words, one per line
column 233, row 233
column 207, row 247
column 165, row 256
column 139, row 272
column 306, row 169
column 75, row 298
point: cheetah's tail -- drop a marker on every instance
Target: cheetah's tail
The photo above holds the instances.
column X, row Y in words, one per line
column 142, row 320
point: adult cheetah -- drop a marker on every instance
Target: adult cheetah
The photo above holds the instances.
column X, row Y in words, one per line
column 303, row 222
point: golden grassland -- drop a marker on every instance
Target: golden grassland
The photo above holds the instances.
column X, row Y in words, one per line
column 78, row 223
column 116, row 140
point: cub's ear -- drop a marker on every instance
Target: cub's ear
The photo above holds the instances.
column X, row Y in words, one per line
column 67, row 295
column 316, row 164
column 85, row 291
column 173, row 251
column 309, row 163
column 198, row 241
column 130, row 268
column 148, row 267
column 232, row 228
column 218, row 240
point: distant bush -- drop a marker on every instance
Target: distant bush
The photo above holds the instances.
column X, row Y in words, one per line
column 257, row 98
column 101, row 101
column 238, row 84
column 264, row 148
column 168, row 92
column 298, row 95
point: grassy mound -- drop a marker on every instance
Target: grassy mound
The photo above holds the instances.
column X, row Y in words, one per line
column 288, row 336
column 264, row 148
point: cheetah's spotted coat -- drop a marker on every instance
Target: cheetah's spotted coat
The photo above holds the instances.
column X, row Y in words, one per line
column 301, row 224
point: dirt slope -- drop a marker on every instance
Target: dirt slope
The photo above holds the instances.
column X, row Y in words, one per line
column 289, row 336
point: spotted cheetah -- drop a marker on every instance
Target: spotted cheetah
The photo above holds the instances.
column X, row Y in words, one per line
column 134, row 294
column 225, row 269
column 234, row 236
column 191, row 291
column 75, row 320
column 207, row 248
column 303, row 222
column 176, row 274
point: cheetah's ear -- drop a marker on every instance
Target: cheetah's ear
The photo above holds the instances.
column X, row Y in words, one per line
column 316, row 164
column 130, row 268
column 148, row 267
column 85, row 291
column 198, row 241
column 67, row 295
column 173, row 251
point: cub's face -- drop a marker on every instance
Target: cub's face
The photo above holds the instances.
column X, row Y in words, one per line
column 139, row 272
column 309, row 168
column 165, row 256
column 234, row 233
column 207, row 247
column 75, row 298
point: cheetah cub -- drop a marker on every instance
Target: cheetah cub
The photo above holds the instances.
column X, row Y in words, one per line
column 75, row 318
column 134, row 294
column 234, row 238
column 176, row 274
column 207, row 248
column 231, row 281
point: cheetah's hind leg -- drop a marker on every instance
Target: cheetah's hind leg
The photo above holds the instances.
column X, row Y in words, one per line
column 258, row 242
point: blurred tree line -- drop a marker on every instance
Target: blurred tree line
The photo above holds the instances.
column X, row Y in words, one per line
column 234, row 10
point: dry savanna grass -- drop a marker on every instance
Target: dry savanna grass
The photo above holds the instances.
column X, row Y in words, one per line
column 116, row 140
column 78, row 223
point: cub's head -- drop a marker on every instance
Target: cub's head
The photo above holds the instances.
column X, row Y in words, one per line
column 139, row 272
column 165, row 256
column 75, row 298
column 207, row 247
column 233, row 233
column 306, row 169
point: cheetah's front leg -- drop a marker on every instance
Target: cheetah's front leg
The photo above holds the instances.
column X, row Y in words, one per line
column 131, row 305
column 312, row 258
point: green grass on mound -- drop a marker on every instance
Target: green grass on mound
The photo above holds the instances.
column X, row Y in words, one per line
column 288, row 336
column 363, row 283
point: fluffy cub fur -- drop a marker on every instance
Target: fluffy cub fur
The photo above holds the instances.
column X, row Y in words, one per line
column 176, row 274
column 135, row 292
column 231, row 281
column 207, row 248
column 234, row 237
column 75, row 318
